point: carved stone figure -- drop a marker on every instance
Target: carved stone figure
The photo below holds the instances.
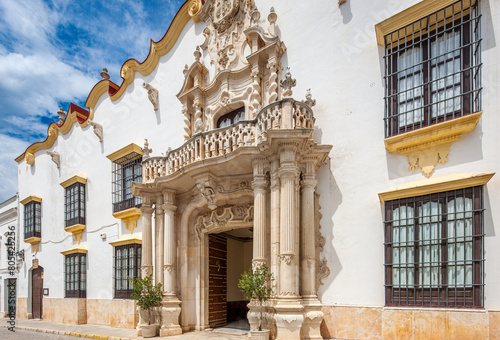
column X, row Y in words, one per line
column 146, row 150
column 152, row 95
column 309, row 101
column 288, row 83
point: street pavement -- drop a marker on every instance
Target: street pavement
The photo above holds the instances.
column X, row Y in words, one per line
column 46, row 330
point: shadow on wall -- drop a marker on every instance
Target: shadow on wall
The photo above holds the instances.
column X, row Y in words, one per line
column 330, row 199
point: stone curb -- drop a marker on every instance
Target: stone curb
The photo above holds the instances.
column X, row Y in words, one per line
column 75, row 334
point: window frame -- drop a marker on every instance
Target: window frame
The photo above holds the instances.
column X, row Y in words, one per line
column 76, row 275
column 32, row 219
column 136, row 270
column 444, row 294
column 75, row 203
column 421, row 34
column 123, row 198
column 231, row 116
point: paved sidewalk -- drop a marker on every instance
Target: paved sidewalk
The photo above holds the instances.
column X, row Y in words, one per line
column 113, row 333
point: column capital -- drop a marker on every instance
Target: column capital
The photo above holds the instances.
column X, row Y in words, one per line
column 309, row 183
column 288, row 172
column 169, row 207
column 168, row 196
column 147, row 209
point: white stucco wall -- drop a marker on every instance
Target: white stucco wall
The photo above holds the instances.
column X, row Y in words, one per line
column 334, row 52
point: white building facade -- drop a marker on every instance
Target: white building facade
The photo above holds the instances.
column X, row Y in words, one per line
column 350, row 146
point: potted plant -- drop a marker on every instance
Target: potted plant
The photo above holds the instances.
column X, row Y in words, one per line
column 147, row 297
column 257, row 284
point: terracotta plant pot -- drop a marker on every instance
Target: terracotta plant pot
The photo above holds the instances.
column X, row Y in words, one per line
column 148, row 331
column 260, row 335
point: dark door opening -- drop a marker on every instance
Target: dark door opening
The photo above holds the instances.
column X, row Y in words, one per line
column 37, row 292
column 217, row 280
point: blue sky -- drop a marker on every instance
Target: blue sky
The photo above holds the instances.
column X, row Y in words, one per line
column 51, row 54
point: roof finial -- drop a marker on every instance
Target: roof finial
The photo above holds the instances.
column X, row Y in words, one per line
column 104, row 74
column 62, row 115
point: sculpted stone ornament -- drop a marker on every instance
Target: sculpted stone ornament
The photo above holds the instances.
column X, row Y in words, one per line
column 223, row 13
column 272, row 22
column 195, row 9
column 207, row 191
column 62, row 115
column 146, row 151
column 152, row 95
column 322, row 272
column 197, row 54
column 225, row 218
column 288, row 83
column 98, row 129
column 309, row 101
column 56, row 158
column 104, row 74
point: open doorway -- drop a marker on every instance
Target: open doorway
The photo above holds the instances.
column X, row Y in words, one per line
column 230, row 254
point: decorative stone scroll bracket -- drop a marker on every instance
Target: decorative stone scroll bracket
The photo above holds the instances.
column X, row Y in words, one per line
column 130, row 217
column 152, row 95
column 76, row 230
column 56, row 158
column 98, row 130
column 431, row 145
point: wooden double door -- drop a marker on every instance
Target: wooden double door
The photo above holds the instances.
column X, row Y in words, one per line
column 217, row 280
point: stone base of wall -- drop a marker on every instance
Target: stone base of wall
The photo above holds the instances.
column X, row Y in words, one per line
column 115, row 313
column 68, row 311
column 343, row 322
column 22, row 308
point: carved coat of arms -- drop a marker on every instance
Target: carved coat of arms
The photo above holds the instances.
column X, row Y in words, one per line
column 223, row 13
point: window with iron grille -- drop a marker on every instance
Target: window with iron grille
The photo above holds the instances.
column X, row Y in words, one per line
column 432, row 69
column 74, row 206
column 231, row 117
column 32, row 219
column 75, row 275
column 126, row 170
column 434, row 250
column 127, row 265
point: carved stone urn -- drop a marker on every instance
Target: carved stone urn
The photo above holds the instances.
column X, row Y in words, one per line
column 149, row 331
column 260, row 335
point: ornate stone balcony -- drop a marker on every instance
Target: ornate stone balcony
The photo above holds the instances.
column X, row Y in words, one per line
column 283, row 114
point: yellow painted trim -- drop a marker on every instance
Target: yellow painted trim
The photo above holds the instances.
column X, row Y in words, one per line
column 31, row 198
column 33, row 240
column 130, row 217
column 428, row 146
column 80, row 248
column 427, row 136
column 81, row 178
column 129, row 239
column 52, row 133
column 436, row 184
column 411, row 15
column 156, row 50
column 75, row 228
column 125, row 151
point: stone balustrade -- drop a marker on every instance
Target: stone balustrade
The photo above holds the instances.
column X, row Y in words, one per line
column 225, row 140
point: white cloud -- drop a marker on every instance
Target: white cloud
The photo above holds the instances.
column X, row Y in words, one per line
column 13, row 147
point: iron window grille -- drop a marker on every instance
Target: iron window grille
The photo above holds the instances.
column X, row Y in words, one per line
column 75, row 275
column 32, row 219
column 434, row 250
column 432, row 69
column 74, row 206
column 127, row 264
column 231, row 117
column 126, row 170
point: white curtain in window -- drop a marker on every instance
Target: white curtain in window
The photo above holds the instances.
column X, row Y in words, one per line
column 445, row 74
column 429, row 234
column 460, row 243
column 410, row 83
column 403, row 270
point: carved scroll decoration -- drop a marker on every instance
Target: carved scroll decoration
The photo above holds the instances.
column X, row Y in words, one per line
column 152, row 95
column 56, row 158
column 98, row 130
column 225, row 218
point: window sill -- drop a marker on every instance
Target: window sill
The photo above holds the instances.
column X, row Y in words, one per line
column 34, row 241
column 76, row 230
column 130, row 217
column 431, row 145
